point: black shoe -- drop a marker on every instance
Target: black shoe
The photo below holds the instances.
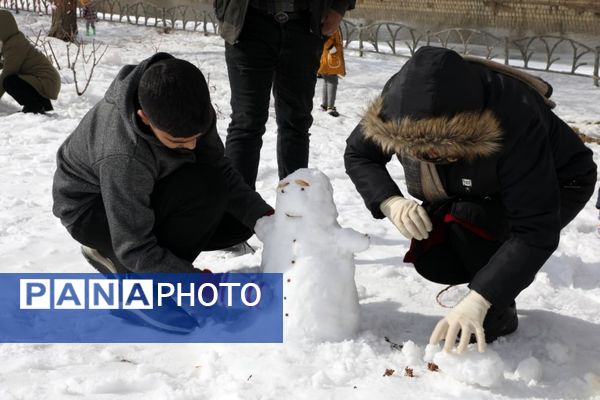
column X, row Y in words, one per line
column 500, row 322
column 47, row 104
column 333, row 112
column 103, row 264
column 33, row 110
column 323, row 107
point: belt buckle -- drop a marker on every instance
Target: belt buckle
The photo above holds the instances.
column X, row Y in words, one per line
column 281, row 17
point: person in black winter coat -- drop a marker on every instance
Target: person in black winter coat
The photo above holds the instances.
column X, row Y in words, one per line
column 273, row 46
column 498, row 173
column 142, row 183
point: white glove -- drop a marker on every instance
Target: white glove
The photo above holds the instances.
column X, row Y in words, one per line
column 467, row 316
column 409, row 217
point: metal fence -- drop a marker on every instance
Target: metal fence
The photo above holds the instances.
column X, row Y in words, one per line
column 549, row 53
column 557, row 54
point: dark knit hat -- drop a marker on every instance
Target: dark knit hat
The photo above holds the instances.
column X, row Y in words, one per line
column 174, row 95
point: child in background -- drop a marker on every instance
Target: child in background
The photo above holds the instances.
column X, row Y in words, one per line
column 332, row 65
column 91, row 16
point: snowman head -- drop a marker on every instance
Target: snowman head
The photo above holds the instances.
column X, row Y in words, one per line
column 306, row 196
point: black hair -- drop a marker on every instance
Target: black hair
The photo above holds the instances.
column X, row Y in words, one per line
column 174, row 95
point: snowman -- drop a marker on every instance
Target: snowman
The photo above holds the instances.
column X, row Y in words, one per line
column 304, row 241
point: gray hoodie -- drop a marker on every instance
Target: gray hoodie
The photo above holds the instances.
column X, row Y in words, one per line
column 108, row 155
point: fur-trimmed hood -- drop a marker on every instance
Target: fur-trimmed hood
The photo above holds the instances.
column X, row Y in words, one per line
column 434, row 104
column 467, row 135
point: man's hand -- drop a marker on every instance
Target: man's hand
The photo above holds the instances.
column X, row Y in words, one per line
column 331, row 22
column 409, row 217
column 467, row 317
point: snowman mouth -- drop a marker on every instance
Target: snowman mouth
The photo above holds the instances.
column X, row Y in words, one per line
column 293, row 216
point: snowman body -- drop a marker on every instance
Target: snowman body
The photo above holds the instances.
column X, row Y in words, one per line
column 303, row 241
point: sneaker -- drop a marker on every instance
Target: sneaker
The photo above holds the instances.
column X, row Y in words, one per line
column 103, row 264
column 240, row 249
column 333, row 112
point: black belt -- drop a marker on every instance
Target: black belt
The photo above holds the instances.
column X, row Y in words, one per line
column 281, row 17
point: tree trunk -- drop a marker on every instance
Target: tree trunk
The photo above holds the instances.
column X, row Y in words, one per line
column 64, row 20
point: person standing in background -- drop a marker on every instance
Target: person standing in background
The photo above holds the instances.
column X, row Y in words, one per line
column 332, row 65
column 273, row 45
column 91, row 16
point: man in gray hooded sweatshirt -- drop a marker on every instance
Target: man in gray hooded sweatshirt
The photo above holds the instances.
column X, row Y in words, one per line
column 142, row 182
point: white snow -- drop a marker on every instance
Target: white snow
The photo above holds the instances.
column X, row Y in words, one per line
column 304, row 241
column 559, row 313
column 472, row 367
column 529, row 370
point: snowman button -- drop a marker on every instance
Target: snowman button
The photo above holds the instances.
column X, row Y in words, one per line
column 293, row 262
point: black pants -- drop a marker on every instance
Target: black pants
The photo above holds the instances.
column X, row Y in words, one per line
column 464, row 253
column 26, row 95
column 190, row 217
column 285, row 58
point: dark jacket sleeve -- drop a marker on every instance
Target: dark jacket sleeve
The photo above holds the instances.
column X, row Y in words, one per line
column 126, row 198
column 244, row 203
column 365, row 163
column 530, row 194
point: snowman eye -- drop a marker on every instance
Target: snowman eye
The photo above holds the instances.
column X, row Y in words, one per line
column 302, row 189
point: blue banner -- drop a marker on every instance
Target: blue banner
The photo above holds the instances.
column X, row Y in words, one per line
column 141, row 308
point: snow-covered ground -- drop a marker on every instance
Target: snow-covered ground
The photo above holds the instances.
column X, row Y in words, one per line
column 556, row 349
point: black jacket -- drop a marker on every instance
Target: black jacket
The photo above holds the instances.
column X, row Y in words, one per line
column 109, row 155
column 511, row 147
column 232, row 14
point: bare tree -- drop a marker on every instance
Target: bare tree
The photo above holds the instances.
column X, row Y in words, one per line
column 64, row 20
column 91, row 60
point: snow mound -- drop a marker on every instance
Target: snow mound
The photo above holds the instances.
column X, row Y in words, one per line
column 529, row 370
column 474, row 368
